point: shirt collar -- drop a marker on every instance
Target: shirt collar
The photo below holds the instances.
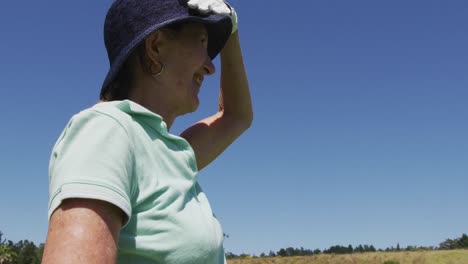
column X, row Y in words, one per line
column 152, row 119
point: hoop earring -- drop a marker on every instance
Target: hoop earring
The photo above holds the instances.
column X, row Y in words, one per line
column 160, row 72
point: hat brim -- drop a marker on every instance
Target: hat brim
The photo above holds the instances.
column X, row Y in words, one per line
column 218, row 27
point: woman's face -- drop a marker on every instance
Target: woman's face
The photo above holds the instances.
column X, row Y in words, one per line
column 186, row 63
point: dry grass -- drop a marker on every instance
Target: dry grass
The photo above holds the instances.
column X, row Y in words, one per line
column 424, row 257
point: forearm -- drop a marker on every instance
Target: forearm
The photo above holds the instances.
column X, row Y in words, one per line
column 234, row 100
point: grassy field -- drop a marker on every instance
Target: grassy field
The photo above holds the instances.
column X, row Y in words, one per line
column 427, row 257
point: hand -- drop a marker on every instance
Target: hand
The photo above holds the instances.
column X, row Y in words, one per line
column 219, row 7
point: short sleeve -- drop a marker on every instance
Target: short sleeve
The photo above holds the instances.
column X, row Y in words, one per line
column 92, row 159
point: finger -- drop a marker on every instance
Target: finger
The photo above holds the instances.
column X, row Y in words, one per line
column 204, row 7
column 193, row 4
column 220, row 8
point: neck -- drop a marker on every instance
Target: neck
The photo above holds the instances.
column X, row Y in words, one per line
column 155, row 107
column 153, row 99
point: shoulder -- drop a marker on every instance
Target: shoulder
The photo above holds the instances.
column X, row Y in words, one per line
column 93, row 126
column 101, row 124
column 107, row 113
column 100, row 119
column 126, row 113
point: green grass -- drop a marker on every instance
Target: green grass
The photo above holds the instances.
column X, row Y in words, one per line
column 418, row 257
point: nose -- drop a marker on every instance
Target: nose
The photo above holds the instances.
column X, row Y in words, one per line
column 209, row 66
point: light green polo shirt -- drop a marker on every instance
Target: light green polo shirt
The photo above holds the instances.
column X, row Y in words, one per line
column 122, row 153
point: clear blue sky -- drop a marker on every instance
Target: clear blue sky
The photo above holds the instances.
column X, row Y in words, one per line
column 360, row 131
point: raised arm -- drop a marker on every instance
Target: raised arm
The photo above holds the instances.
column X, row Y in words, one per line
column 83, row 231
column 212, row 135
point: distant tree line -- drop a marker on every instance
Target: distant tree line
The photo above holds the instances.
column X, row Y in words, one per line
column 458, row 243
column 26, row 252
column 461, row 242
column 22, row 252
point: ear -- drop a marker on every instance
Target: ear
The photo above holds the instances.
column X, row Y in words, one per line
column 153, row 46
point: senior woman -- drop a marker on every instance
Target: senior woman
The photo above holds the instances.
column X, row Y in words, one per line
column 122, row 188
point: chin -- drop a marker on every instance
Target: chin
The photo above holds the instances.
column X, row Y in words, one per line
column 194, row 108
column 195, row 104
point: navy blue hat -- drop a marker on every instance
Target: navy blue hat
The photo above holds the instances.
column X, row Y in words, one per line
column 129, row 22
